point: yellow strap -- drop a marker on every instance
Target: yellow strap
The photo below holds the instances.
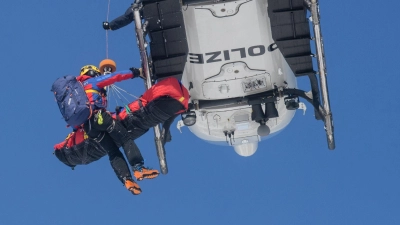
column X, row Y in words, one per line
column 181, row 99
column 92, row 91
column 69, row 135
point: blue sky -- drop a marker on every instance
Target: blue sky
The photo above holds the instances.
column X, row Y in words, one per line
column 292, row 179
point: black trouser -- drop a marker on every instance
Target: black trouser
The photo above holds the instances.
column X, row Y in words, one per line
column 117, row 132
column 81, row 154
column 92, row 150
column 116, row 158
column 155, row 112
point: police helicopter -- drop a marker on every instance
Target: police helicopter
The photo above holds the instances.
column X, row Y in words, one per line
column 240, row 60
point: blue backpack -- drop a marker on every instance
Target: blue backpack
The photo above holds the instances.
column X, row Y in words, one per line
column 72, row 100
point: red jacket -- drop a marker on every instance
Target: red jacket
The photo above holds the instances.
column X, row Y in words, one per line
column 169, row 86
column 72, row 139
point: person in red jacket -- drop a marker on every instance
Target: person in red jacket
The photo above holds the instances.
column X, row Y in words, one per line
column 79, row 149
column 101, row 121
column 160, row 104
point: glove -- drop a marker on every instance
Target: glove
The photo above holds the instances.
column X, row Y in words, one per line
column 106, row 25
column 136, row 72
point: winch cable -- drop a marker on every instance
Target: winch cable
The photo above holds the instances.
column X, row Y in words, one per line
column 108, row 13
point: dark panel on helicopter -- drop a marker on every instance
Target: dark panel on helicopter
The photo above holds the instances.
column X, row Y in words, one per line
column 168, row 44
column 291, row 33
column 162, row 14
column 171, row 67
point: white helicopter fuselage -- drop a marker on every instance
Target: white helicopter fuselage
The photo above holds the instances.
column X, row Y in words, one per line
column 230, row 56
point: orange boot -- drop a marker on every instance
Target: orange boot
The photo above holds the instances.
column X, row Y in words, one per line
column 140, row 172
column 133, row 187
